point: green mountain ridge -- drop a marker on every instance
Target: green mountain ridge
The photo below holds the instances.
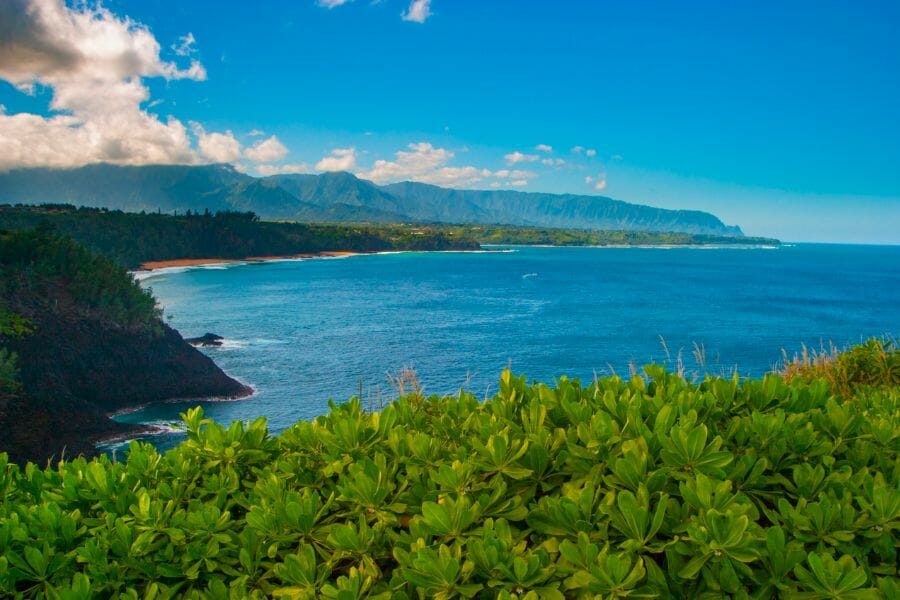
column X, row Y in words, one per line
column 336, row 197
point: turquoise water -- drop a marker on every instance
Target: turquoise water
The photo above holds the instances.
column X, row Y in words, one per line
column 301, row 332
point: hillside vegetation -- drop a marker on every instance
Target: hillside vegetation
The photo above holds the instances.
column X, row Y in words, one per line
column 79, row 338
column 531, row 236
column 336, row 197
column 133, row 238
column 649, row 488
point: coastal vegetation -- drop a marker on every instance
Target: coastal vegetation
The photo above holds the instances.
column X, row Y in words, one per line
column 651, row 487
column 533, row 236
column 135, row 238
column 78, row 339
column 132, row 239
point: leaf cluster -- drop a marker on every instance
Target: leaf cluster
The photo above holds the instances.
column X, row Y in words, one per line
column 649, row 488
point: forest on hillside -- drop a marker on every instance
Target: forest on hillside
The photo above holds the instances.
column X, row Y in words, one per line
column 135, row 238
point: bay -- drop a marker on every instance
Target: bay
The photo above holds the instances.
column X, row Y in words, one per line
column 303, row 332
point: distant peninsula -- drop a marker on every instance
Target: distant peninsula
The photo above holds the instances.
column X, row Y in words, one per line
column 337, row 198
column 135, row 239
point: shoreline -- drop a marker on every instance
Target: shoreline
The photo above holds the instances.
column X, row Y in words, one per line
column 645, row 246
column 248, row 391
column 155, row 265
column 150, row 267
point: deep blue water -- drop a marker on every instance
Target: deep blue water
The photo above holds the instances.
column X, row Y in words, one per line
column 301, row 332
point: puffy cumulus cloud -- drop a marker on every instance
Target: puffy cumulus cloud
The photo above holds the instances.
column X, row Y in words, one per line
column 518, row 183
column 266, row 170
column 423, row 162
column 553, row 162
column 427, row 164
column 543, row 148
column 46, row 42
column 332, row 3
column 341, row 159
column 266, row 151
column 590, row 152
column 517, row 157
column 94, row 62
column 217, row 147
column 418, row 11
column 577, row 149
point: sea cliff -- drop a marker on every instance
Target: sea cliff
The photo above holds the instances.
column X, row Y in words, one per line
column 82, row 340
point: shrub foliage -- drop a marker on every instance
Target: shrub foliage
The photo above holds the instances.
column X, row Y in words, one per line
column 653, row 487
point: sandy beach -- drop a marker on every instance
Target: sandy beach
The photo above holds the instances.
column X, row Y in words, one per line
column 196, row 262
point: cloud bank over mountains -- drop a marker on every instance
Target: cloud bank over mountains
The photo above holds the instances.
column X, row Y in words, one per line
column 95, row 65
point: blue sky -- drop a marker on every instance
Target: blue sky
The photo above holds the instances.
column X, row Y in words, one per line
column 779, row 117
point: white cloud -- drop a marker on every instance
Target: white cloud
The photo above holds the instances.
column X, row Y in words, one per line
column 514, row 174
column 517, row 157
column 94, row 62
column 553, row 162
column 577, row 149
column 590, row 152
column 266, row 170
column 514, row 183
column 598, row 182
column 185, row 45
column 425, row 163
column 268, row 150
column 418, row 11
column 341, row 159
column 329, row 4
column 543, row 148
column 256, row 132
column 217, row 147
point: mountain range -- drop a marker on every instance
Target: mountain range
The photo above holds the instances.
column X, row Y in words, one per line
column 336, row 197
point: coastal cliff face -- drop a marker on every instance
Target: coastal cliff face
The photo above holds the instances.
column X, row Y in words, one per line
column 73, row 374
column 115, row 369
column 89, row 342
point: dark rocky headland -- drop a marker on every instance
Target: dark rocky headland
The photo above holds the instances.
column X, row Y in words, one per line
column 81, row 340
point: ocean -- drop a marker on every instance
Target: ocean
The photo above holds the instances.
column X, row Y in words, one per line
column 302, row 332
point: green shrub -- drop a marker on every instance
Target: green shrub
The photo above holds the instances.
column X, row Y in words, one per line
column 875, row 363
column 652, row 487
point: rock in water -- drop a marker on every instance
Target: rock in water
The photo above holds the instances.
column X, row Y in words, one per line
column 207, row 339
